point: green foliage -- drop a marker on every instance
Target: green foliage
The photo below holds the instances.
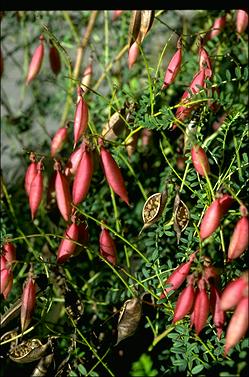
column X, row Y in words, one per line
column 85, row 346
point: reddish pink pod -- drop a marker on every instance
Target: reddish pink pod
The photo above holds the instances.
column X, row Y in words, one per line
column 113, row 173
column 116, row 14
column 73, row 161
column 218, row 313
column 201, row 307
column 173, row 67
column 36, row 190
column 83, row 176
column 83, row 233
column 62, row 191
column 36, row 61
column 217, row 27
column 54, row 59
column 238, row 325
column 107, row 246
column 176, row 279
column 133, row 54
column 234, row 291
column 87, row 75
column 241, row 20
column 9, row 251
column 68, row 243
column 80, row 117
column 30, row 172
column 185, row 300
column 58, row 140
column 28, row 303
column 197, row 82
column 6, row 281
column 205, row 62
column 200, row 160
column 226, row 201
column 239, row 239
column 211, row 219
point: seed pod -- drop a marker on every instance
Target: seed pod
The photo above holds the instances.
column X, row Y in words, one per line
column 176, row 279
column 218, row 314
column 226, row 202
column 83, row 175
column 83, row 233
column 113, row 173
column 73, row 161
column 42, row 368
column 241, row 20
column 28, row 351
column 234, row 291
column 134, row 26
column 131, row 144
column 36, row 61
column 63, row 195
column 107, row 246
column 87, row 75
column 201, row 307
column 238, row 325
column 30, row 172
column 28, row 303
column 147, row 18
column 115, row 126
column 67, row 245
column 80, row 117
column 205, row 63
column 6, row 279
column 239, row 239
column 36, row 190
column 181, row 216
column 129, row 318
column 59, row 140
column 217, row 27
column 200, row 160
column 54, row 59
column 211, row 219
column 153, row 208
column 173, row 66
column 116, row 14
column 133, row 53
column 9, row 251
column 185, row 300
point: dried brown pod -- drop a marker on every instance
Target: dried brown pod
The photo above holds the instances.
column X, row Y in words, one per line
column 153, row 208
column 181, row 216
column 134, row 26
column 28, row 351
column 115, row 126
column 129, row 318
column 147, row 18
column 43, row 365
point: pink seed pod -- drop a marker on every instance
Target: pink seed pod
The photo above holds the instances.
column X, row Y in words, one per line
column 73, row 161
column 239, row 239
column 218, row 313
column 62, row 191
column 83, row 176
column 133, row 54
column 210, row 220
column 67, row 245
column 58, row 140
column 234, row 291
column 36, row 190
column 201, row 307
column 205, row 63
column 176, row 279
column 6, row 281
column 200, row 160
column 28, row 303
column 185, row 300
column 107, row 246
column 238, row 325
column 241, row 20
column 226, row 202
column 4, row 263
column 9, row 251
column 54, row 59
column 30, row 172
column 113, row 173
column 80, row 117
column 36, row 61
column 217, row 27
column 83, row 233
column 116, row 14
column 197, row 82
column 173, row 67
column 87, row 75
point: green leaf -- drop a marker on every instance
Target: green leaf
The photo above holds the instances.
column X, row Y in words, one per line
column 197, row 369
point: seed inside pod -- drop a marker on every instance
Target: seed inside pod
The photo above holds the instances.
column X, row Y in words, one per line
column 181, row 216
